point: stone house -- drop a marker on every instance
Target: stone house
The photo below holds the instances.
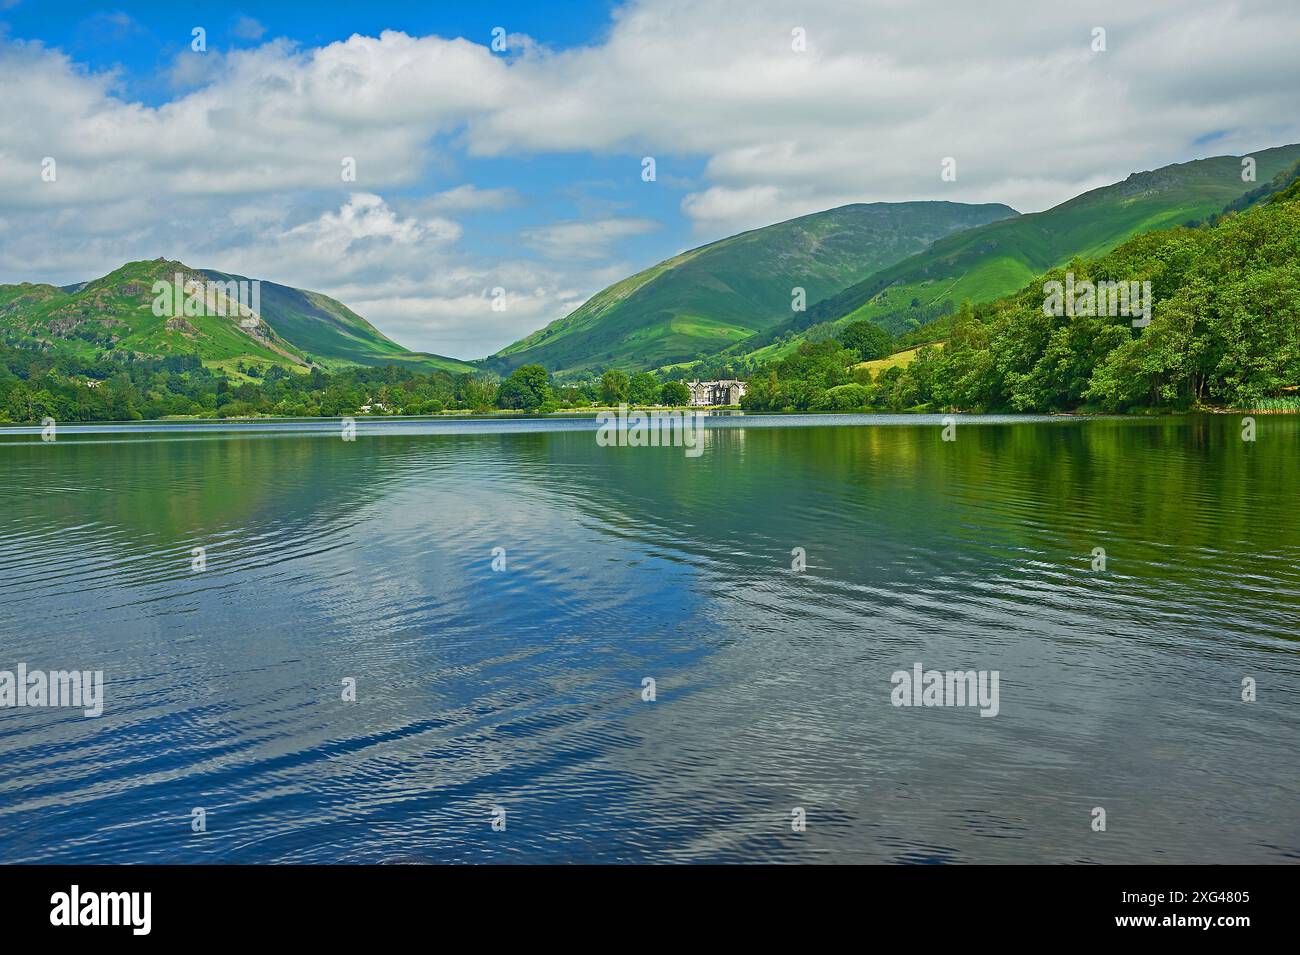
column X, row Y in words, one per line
column 729, row 391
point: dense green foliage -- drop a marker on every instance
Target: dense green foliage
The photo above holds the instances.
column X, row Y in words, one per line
column 614, row 386
column 527, row 389
column 674, row 393
column 811, row 379
column 867, row 340
column 36, row 384
column 1224, row 331
column 643, row 389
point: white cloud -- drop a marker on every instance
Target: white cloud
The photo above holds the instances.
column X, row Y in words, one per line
column 886, row 90
column 470, row 198
column 585, row 240
column 190, row 68
column 719, row 208
column 362, row 227
column 448, row 309
column 274, row 118
column 404, row 275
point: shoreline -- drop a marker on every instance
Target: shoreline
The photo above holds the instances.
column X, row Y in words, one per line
column 716, row 411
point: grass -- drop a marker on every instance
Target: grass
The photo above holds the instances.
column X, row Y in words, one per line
column 1287, row 404
column 899, row 359
column 228, row 366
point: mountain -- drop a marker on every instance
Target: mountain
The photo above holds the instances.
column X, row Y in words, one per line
column 984, row 263
column 1218, row 326
column 296, row 328
column 707, row 298
column 330, row 332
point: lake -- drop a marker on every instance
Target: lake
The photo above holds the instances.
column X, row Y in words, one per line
column 501, row 714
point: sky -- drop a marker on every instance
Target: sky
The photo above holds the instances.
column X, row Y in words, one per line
column 520, row 165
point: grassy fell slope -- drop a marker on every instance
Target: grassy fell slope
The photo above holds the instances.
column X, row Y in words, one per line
column 331, row 333
column 710, row 297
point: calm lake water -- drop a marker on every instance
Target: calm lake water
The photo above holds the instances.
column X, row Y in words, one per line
column 522, row 688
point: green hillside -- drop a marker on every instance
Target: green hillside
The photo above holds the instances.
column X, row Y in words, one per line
column 331, row 333
column 705, row 299
column 115, row 315
column 1223, row 331
column 984, row 263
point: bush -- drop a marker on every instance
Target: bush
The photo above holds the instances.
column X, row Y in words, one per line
column 845, row 398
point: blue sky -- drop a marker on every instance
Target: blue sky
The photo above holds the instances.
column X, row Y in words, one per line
column 143, row 37
column 520, row 169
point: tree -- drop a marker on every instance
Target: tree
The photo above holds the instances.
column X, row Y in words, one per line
column 643, row 389
column 614, row 386
column 475, row 393
column 867, row 340
column 527, row 388
column 675, row 394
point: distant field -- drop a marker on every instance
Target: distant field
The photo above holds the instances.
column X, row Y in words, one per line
column 228, row 367
column 899, row 359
